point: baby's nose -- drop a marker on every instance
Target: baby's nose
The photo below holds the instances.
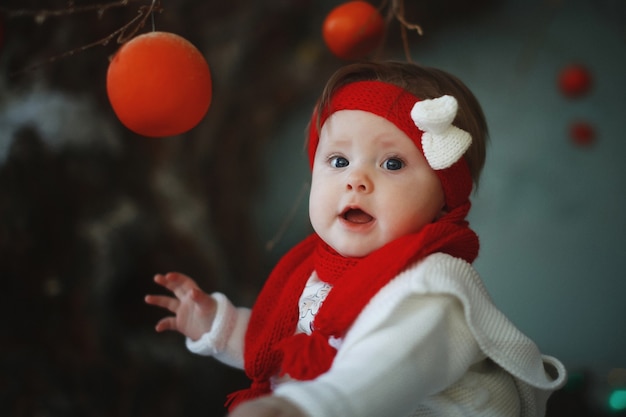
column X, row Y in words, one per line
column 359, row 181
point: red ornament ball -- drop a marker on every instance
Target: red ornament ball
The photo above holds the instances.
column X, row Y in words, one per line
column 159, row 85
column 575, row 80
column 352, row 30
column 582, row 133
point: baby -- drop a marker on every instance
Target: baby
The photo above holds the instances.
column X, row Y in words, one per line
column 379, row 312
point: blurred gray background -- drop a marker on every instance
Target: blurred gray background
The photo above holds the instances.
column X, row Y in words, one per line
column 89, row 211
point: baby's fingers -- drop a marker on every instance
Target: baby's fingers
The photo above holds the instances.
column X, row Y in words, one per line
column 163, row 301
column 169, row 281
column 202, row 299
column 177, row 283
column 167, row 323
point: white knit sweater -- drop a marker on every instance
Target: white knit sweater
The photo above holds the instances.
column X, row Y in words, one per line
column 430, row 343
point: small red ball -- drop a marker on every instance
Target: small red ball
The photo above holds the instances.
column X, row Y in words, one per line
column 575, row 80
column 582, row 133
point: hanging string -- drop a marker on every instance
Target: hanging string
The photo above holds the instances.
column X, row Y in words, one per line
column 288, row 219
column 152, row 15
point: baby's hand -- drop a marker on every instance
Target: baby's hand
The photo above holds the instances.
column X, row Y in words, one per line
column 267, row 407
column 193, row 309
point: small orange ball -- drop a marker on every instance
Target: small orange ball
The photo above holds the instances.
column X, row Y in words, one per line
column 159, row 84
column 352, row 30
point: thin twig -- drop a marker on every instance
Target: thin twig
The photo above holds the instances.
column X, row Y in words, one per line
column 142, row 17
column 122, row 34
column 410, row 26
column 397, row 9
column 288, row 219
column 45, row 13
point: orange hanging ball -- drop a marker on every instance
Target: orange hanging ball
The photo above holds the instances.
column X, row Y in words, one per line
column 159, row 85
column 353, row 29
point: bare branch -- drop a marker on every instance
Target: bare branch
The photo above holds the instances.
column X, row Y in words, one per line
column 121, row 35
column 43, row 14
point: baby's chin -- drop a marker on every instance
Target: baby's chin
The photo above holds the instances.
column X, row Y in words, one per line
column 354, row 250
column 352, row 245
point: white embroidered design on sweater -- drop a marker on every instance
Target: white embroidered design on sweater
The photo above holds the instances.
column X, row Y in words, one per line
column 314, row 294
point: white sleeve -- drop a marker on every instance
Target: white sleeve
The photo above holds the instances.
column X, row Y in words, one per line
column 420, row 347
column 225, row 340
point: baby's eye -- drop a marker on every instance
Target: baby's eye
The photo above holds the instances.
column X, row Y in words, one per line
column 393, row 164
column 339, row 162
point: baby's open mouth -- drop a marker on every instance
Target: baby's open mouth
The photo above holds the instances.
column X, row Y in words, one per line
column 355, row 215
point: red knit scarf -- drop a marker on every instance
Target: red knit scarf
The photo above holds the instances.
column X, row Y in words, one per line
column 272, row 348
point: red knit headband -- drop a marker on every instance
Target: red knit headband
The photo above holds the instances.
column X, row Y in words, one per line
column 441, row 143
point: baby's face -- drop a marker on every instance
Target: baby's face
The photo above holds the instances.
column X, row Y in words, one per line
column 370, row 184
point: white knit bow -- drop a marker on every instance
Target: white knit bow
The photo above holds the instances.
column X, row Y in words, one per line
column 443, row 144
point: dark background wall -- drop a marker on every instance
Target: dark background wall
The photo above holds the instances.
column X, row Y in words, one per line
column 89, row 211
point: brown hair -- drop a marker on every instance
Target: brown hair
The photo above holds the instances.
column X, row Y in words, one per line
column 425, row 83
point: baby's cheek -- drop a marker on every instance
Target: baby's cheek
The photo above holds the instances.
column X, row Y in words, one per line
column 315, row 211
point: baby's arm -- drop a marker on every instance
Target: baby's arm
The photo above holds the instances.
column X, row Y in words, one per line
column 389, row 366
column 267, row 407
column 194, row 310
column 383, row 370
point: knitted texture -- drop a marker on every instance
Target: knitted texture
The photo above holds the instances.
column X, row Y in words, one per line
column 271, row 348
column 442, row 143
column 396, row 105
column 274, row 319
